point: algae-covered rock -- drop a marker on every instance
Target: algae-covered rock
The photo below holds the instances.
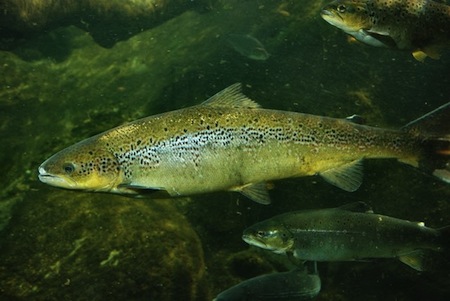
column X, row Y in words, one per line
column 78, row 246
column 108, row 21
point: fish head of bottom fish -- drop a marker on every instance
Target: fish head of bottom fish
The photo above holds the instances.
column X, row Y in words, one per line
column 269, row 236
column 83, row 166
column 351, row 16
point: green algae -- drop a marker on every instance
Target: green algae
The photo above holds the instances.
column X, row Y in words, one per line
column 107, row 245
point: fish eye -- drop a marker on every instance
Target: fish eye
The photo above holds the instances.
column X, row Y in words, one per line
column 260, row 233
column 68, row 168
column 341, row 8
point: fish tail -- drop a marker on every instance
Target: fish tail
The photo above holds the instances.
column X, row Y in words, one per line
column 433, row 132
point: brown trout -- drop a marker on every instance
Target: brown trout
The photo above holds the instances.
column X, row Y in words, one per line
column 419, row 26
column 230, row 143
column 350, row 232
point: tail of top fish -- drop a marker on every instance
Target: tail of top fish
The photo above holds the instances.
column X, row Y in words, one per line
column 434, row 131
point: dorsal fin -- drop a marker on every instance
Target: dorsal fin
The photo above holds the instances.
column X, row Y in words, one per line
column 231, row 97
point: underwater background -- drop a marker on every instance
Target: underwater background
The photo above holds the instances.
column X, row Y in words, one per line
column 63, row 83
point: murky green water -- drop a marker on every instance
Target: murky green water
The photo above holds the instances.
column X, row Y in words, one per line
column 60, row 86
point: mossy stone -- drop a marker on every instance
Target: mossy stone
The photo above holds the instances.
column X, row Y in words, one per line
column 81, row 246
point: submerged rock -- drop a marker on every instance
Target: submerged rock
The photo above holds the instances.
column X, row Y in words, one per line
column 108, row 21
column 78, row 246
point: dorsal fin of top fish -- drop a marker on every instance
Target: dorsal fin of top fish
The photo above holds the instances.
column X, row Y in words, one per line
column 229, row 143
column 419, row 26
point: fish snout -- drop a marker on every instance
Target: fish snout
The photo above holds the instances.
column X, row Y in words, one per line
column 254, row 241
column 54, row 180
column 326, row 12
column 43, row 174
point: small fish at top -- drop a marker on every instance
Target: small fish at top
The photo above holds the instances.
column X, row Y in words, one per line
column 229, row 143
column 248, row 46
column 295, row 285
column 419, row 26
column 349, row 232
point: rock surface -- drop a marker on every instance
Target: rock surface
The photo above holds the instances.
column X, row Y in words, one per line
column 108, row 21
column 81, row 246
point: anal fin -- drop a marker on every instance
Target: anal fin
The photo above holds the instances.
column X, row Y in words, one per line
column 415, row 260
column 419, row 55
column 256, row 192
column 347, row 176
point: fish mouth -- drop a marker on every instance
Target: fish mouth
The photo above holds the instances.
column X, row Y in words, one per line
column 253, row 241
column 326, row 12
column 331, row 17
column 54, row 180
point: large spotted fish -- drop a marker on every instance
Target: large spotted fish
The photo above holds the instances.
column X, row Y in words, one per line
column 419, row 26
column 230, row 143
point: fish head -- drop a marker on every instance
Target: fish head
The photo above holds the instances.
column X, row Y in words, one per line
column 85, row 166
column 351, row 16
column 269, row 236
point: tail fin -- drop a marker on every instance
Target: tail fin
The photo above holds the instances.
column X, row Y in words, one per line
column 434, row 128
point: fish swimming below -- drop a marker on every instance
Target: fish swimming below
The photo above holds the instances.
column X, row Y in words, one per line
column 248, row 46
column 419, row 26
column 350, row 232
column 229, row 143
column 295, row 285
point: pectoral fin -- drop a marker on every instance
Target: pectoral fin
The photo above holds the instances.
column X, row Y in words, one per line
column 294, row 260
column 347, row 176
column 128, row 188
column 256, row 192
column 378, row 39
